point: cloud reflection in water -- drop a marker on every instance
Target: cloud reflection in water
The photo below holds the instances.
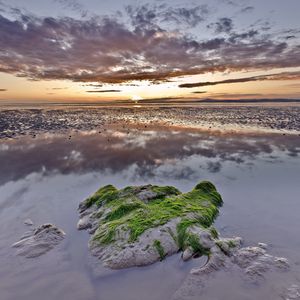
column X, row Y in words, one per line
column 178, row 153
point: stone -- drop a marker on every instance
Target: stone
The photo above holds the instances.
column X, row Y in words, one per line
column 253, row 263
column 140, row 225
column 263, row 245
column 187, row 254
column 28, row 222
column 292, row 293
column 39, row 241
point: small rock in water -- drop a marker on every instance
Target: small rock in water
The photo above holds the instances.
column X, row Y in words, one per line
column 28, row 222
column 39, row 241
column 187, row 254
column 292, row 293
column 263, row 245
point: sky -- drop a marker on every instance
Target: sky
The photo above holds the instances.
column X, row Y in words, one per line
column 91, row 50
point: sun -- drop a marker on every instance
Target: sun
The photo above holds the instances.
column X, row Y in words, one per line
column 136, row 98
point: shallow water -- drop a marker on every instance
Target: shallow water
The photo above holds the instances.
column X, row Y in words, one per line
column 45, row 178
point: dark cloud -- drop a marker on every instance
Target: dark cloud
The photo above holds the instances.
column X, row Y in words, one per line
column 234, row 37
column 106, row 50
column 224, row 25
column 152, row 15
column 199, row 92
column 105, row 91
column 214, row 167
column 290, row 37
column 278, row 76
column 3, row 90
column 143, row 15
column 187, row 16
column 247, row 9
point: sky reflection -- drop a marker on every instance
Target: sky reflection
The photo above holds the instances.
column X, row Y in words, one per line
column 141, row 154
column 45, row 178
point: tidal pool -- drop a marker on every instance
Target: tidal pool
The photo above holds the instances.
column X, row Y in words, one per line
column 46, row 177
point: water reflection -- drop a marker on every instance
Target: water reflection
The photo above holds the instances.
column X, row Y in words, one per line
column 146, row 153
column 44, row 178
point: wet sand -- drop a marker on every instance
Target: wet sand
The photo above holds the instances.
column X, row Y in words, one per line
column 44, row 176
column 248, row 117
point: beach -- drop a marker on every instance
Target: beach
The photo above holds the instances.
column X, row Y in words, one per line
column 52, row 158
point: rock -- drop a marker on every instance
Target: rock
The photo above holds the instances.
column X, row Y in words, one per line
column 146, row 195
column 84, row 223
column 253, row 263
column 187, row 254
column 245, row 256
column 39, row 241
column 28, row 222
column 292, row 293
column 139, row 225
column 263, row 245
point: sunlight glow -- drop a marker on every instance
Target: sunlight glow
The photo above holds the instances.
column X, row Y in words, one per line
column 136, row 98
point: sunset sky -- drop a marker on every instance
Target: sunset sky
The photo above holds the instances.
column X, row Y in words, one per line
column 92, row 50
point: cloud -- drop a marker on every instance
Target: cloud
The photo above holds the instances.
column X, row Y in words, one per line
column 288, row 37
column 277, row 76
column 74, row 6
column 247, row 9
column 3, row 90
column 152, row 15
column 230, row 2
column 107, row 50
column 105, row 91
column 224, row 25
column 199, row 92
column 187, row 16
column 236, row 37
column 94, row 85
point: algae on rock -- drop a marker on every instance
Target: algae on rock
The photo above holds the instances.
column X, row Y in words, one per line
column 139, row 225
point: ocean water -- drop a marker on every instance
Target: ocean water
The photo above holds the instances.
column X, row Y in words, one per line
column 45, row 176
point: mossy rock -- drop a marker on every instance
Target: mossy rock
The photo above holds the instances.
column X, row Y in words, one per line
column 161, row 219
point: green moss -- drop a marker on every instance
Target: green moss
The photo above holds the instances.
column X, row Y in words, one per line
column 123, row 209
column 205, row 186
column 186, row 239
column 165, row 190
column 209, row 188
column 104, row 194
column 106, row 235
column 214, row 233
column 194, row 242
column 159, row 248
column 182, row 236
column 231, row 244
column 129, row 213
column 171, row 233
